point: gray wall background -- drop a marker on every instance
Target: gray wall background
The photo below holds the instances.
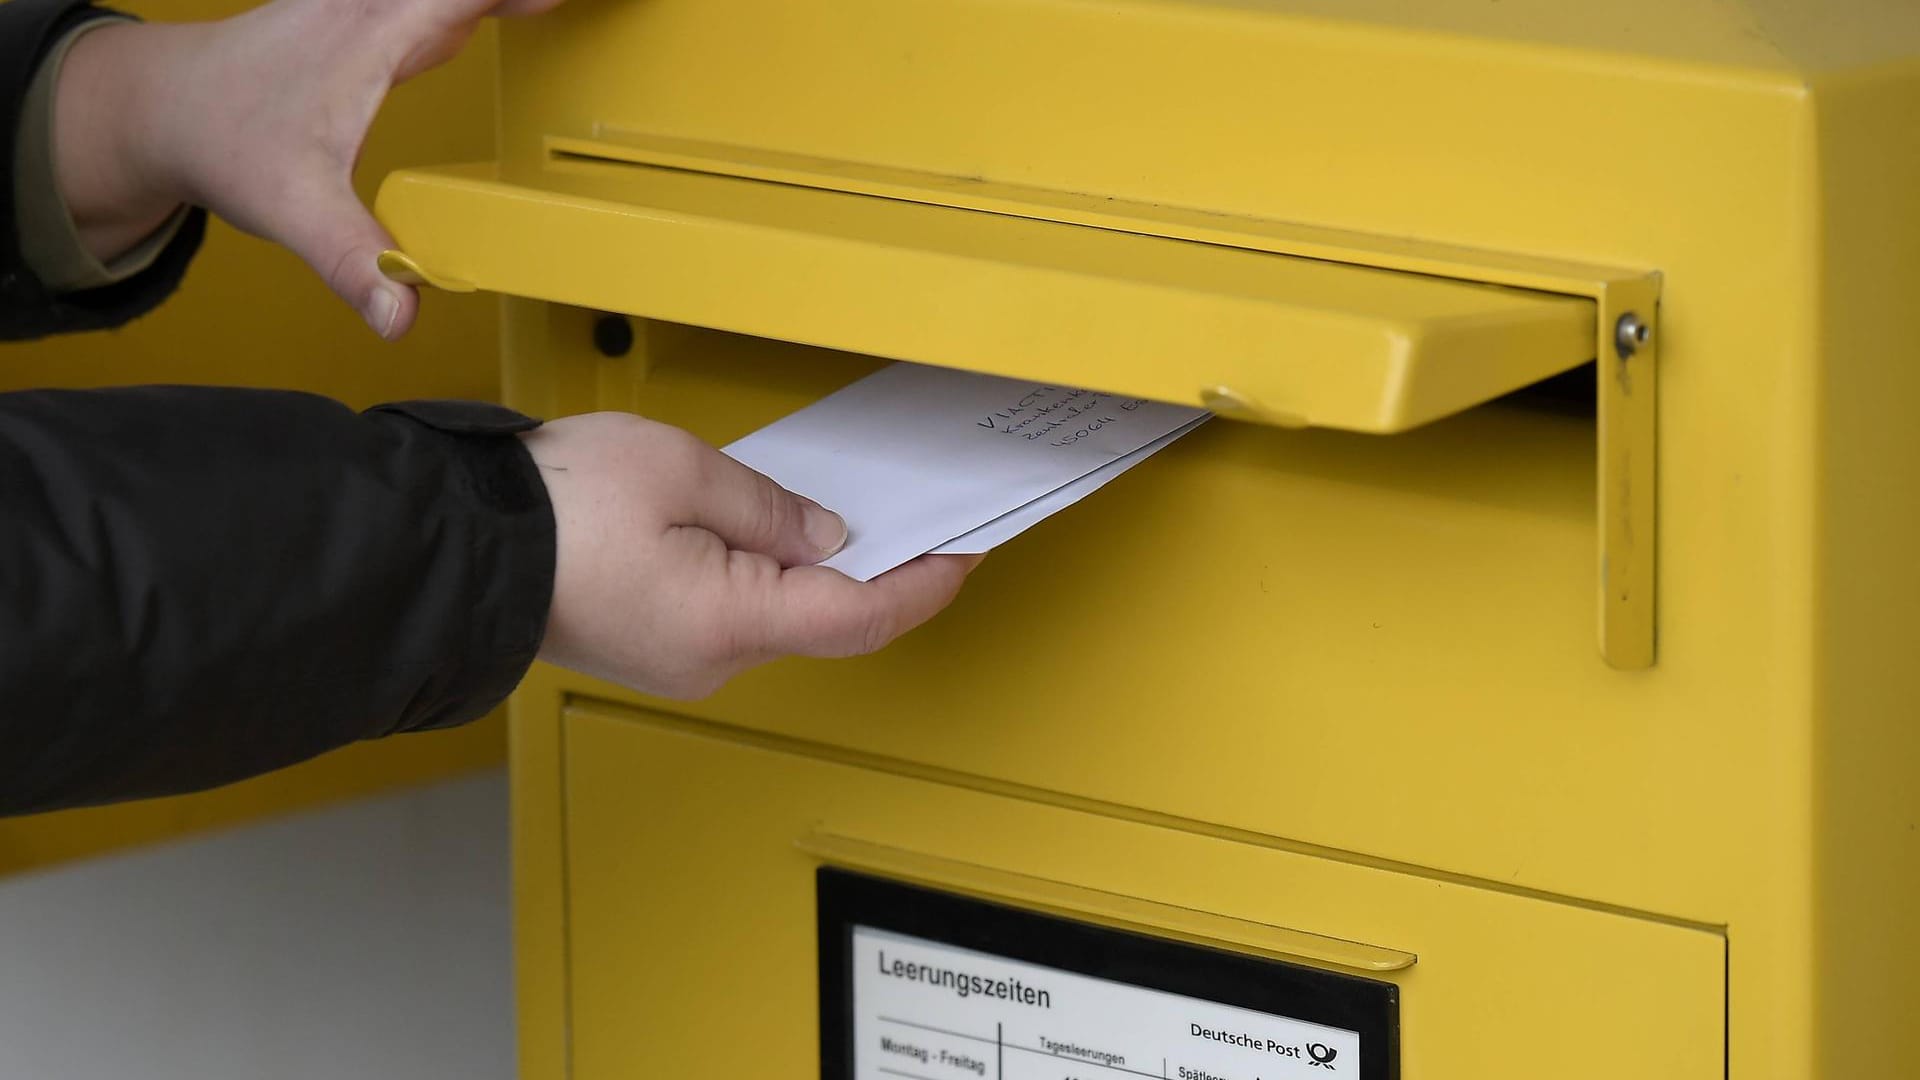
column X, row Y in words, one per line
column 368, row 940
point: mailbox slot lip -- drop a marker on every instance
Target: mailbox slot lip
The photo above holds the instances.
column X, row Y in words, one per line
column 612, row 144
column 1205, row 928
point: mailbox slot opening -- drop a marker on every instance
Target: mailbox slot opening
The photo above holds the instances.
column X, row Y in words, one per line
column 1259, row 321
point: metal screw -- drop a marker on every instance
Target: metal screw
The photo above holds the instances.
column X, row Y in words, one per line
column 613, row 335
column 1629, row 334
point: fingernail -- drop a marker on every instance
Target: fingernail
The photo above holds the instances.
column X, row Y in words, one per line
column 382, row 310
column 824, row 528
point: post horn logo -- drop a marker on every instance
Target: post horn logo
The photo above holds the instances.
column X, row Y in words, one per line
column 1322, row 1054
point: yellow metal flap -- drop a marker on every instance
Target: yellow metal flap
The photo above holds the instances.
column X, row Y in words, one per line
column 1255, row 335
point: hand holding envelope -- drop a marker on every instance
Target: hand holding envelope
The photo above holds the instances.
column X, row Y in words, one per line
column 921, row 459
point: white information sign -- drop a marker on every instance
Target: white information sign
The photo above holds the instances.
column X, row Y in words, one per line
column 924, row 1010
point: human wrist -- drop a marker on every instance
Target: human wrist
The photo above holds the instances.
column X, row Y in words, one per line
column 560, row 643
column 111, row 134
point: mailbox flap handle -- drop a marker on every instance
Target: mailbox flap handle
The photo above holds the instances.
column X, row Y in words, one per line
column 400, row 267
column 1255, row 335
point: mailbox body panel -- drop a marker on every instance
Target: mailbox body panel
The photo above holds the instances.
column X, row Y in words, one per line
column 1524, row 171
column 1372, row 651
column 720, row 997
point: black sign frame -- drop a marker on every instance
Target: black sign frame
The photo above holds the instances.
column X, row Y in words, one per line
column 1369, row 1007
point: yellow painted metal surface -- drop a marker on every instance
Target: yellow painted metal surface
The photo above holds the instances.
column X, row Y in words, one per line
column 1362, row 664
column 251, row 314
column 1119, row 909
column 1293, row 341
column 1866, row 579
column 740, row 902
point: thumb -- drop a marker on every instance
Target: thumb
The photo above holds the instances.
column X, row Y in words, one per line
column 342, row 243
column 752, row 513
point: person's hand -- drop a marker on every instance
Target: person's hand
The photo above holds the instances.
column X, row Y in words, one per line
column 260, row 119
column 679, row 567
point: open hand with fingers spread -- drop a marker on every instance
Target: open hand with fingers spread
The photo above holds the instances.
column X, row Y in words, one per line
column 260, row 118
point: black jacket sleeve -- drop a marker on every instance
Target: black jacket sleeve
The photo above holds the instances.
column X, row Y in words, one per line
column 27, row 308
column 197, row 585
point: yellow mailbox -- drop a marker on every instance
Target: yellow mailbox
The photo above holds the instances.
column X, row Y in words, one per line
column 1403, row 725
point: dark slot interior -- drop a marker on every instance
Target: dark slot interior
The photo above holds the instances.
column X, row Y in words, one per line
column 1570, row 393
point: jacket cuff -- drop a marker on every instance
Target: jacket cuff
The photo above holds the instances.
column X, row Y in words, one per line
column 513, row 567
column 49, row 239
column 28, row 308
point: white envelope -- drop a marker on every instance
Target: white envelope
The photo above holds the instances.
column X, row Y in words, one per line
column 914, row 456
